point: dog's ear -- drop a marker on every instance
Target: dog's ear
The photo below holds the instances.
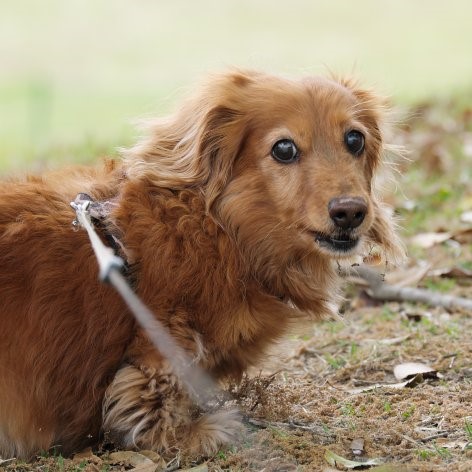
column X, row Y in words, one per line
column 220, row 145
column 197, row 146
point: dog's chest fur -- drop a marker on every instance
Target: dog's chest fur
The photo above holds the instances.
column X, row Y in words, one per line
column 194, row 277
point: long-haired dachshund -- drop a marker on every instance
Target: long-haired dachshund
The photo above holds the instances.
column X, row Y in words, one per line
column 231, row 215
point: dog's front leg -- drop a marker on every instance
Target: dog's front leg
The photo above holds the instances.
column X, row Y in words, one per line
column 146, row 408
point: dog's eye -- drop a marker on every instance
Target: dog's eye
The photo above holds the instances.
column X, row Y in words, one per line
column 355, row 142
column 285, row 151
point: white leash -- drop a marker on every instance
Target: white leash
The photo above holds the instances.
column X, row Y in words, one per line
column 199, row 385
column 107, row 260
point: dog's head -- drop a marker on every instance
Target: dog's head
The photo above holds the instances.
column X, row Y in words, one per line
column 285, row 166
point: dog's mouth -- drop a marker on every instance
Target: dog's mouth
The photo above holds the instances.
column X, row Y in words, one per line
column 343, row 243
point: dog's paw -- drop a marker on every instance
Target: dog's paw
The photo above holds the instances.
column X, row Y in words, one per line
column 153, row 413
column 213, row 430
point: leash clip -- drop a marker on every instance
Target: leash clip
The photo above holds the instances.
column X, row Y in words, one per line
column 107, row 259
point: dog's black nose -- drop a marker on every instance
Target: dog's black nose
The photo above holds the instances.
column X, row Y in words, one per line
column 347, row 212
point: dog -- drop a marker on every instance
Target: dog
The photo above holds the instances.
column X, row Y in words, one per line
column 231, row 214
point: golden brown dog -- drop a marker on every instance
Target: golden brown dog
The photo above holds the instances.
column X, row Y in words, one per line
column 231, row 215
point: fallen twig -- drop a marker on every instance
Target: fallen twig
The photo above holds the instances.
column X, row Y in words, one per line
column 263, row 424
column 442, row 434
column 379, row 290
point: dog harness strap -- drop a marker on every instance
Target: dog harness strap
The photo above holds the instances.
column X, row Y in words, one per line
column 106, row 257
column 99, row 212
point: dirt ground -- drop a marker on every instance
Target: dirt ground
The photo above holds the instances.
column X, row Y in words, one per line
column 328, row 390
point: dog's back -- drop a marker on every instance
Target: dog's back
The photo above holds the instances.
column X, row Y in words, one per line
column 57, row 349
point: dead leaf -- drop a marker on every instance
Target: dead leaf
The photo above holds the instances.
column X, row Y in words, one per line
column 390, row 468
column 454, row 272
column 428, row 240
column 338, row 461
column 389, row 341
column 154, row 456
column 409, row 277
column 448, row 444
column 410, row 383
column 372, row 259
column 151, row 467
column 409, row 370
column 435, row 157
column 130, row 458
column 87, row 454
column 415, row 380
column 393, row 341
column 92, row 468
column 416, row 317
column 466, row 217
column 463, row 236
column 357, row 446
column 198, row 468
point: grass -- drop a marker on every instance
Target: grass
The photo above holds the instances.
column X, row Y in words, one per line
column 407, row 414
column 335, row 362
column 75, row 72
column 435, row 451
column 468, row 429
column 348, row 410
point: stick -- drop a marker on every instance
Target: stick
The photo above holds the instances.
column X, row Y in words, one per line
column 379, row 290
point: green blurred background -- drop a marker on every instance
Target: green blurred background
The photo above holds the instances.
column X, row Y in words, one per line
column 75, row 73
